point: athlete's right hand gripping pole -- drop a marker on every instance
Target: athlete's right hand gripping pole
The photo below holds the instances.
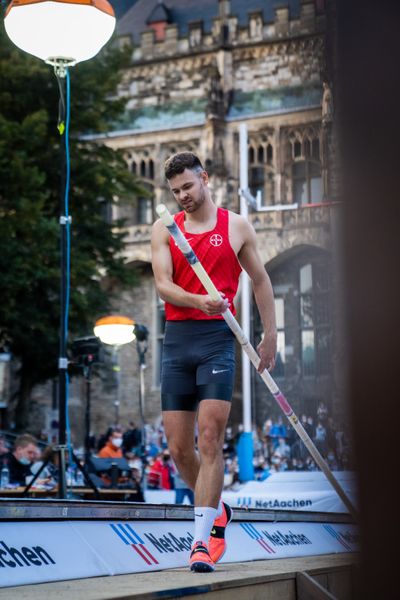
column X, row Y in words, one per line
column 201, row 273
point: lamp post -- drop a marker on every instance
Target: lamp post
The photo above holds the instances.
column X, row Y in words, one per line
column 62, row 33
column 245, row 450
column 116, row 331
column 142, row 334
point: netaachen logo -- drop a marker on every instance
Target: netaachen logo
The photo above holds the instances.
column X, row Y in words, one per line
column 24, row 557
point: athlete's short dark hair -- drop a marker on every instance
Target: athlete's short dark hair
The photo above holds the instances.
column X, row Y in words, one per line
column 177, row 163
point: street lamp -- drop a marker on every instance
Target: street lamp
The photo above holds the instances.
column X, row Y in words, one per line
column 115, row 331
column 62, row 33
column 67, row 31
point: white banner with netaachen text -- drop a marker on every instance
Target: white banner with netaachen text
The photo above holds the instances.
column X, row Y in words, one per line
column 301, row 491
column 34, row 552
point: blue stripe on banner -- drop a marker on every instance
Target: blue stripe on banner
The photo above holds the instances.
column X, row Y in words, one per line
column 330, row 530
column 337, row 536
column 256, row 533
column 134, row 533
column 115, row 529
column 127, row 533
column 248, row 531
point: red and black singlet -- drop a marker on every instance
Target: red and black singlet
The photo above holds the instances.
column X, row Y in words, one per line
column 218, row 258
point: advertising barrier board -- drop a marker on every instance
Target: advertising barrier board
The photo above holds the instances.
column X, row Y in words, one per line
column 34, row 552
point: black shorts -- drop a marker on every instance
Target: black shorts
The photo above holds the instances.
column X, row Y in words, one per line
column 198, row 363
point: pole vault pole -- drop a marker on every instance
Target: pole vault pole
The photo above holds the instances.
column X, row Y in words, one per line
column 202, row 274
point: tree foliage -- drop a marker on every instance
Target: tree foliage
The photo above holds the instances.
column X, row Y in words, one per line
column 30, row 180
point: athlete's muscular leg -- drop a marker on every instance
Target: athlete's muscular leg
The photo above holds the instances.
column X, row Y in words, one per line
column 212, row 418
column 179, row 429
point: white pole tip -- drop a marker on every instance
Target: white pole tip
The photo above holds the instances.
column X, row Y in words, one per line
column 160, row 209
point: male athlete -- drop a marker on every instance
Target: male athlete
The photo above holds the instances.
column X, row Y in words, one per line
column 199, row 354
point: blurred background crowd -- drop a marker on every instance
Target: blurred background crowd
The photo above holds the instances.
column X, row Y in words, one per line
column 148, row 464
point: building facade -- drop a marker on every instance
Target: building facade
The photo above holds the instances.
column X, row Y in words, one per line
column 199, row 70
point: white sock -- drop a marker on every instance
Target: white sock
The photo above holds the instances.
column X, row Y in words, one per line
column 204, row 517
column 220, row 508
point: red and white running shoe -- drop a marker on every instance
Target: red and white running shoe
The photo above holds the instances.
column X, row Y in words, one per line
column 216, row 542
column 200, row 560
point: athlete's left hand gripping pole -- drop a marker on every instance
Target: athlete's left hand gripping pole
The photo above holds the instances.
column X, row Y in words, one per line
column 202, row 274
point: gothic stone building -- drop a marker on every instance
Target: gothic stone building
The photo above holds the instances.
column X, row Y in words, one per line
column 199, row 70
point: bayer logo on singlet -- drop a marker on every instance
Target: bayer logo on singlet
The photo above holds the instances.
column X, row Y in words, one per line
column 216, row 239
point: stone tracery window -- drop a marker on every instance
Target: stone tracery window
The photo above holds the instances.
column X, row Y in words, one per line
column 303, row 285
column 303, row 167
column 262, row 168
column 141, row 164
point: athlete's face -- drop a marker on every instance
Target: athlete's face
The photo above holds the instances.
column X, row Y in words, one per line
column 189, row 189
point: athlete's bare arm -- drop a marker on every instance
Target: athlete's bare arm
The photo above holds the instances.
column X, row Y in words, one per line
column 244, row 238
column 163, row 271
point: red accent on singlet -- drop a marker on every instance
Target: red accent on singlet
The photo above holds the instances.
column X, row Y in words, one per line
column 218, row 258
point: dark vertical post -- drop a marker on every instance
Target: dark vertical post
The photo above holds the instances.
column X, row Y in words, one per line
column 369, row 101
column 88, row 378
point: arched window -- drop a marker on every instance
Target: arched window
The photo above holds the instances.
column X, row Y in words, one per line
column 303, row 166
column 303, row 297
column 142, row 168
column 251, row 155
column 151, row 169
column 134, row 167
column 307, row 182
column 261, row 170
column 315, row 290
column 297, row 149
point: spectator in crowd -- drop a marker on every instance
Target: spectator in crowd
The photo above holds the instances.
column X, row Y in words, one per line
column 136, row 465
column 103, row 439
column 322, row 413
column 278, row 462
column 297, row 464
column 283, row 448
column 331, row 460
column 132, row 438
column 49, row 475
column 298, row 452
column 161, row 472
column 343, row 447
column 113, row 445
column 181, row 489
column 303, row 421
column 310, row 427
column 267, row 439
column 277, row 430
column 331, row 436
column 19, row 461
column 262, row 469
column 320, row 439
column 267, row 427
column 291, row 435
column 4, row 449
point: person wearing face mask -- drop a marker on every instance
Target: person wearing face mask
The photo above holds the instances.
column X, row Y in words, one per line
column 112, row 447
column 20, row 459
